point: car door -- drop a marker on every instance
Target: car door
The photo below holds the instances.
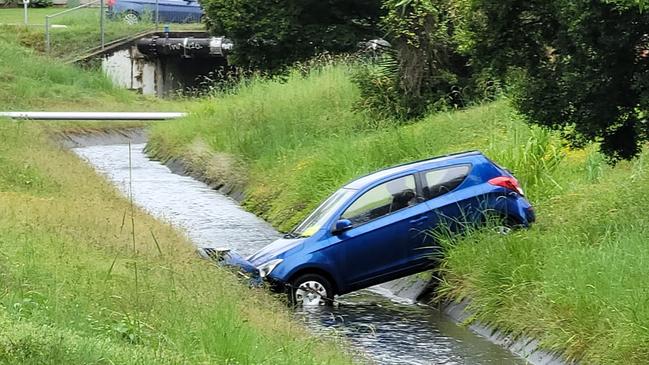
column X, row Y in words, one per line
column 375, row 249
column 164, row 9
column 179, row 11
column 448, row 209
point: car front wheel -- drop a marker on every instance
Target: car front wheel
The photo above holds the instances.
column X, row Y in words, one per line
column 311, row 290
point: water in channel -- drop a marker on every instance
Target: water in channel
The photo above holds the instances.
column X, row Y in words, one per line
column 386, row 330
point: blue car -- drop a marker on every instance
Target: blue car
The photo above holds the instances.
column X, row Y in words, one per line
column 377, row 227
column 169, row 11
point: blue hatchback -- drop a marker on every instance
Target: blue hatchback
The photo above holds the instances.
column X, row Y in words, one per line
column 172, row 11
column 376, row 228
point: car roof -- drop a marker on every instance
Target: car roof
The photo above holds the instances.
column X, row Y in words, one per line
column 429, row 163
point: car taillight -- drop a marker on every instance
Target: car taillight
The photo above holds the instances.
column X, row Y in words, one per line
column 507, row 182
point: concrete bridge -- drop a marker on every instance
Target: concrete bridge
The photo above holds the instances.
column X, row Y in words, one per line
column 161, row 63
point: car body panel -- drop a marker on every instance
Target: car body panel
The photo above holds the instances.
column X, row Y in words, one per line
column 397, row 243
column 170, row 11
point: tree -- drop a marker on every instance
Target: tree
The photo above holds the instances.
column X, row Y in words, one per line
column 578, row 66
column 271, row 34
column 423, row 69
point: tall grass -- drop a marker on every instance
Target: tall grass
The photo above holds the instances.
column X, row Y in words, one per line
column 575, row 280
column 29, row 80
column 300, row 139
column 68, row 293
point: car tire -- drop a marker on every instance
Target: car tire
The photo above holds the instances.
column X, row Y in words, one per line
column 311, row 290
column 131, row 17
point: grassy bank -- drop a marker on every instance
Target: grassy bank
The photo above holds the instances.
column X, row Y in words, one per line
column 86, row 278
column 72, row 33
column 574, row 281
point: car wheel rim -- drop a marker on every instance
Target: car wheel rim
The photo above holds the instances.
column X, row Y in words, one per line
column 311, row 293
column 130, row 19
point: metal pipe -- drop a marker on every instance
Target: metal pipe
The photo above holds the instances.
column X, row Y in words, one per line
column 186, row 47
column 92, row 115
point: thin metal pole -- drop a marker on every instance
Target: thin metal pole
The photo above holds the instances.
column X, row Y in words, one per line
column 157, row 15
column 47, row 34
column 25, row 4
column 101, row 23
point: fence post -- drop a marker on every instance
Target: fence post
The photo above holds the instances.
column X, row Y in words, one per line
column 101, row 23
column 47, row 34
column 157, row 15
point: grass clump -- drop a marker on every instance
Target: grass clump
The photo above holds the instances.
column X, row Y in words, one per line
column 574, row 281
column 81, row 286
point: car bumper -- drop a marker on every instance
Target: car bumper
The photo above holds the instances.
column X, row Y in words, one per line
column 231, row 259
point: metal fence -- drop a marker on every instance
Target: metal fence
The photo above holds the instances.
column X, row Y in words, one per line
column 101, row 6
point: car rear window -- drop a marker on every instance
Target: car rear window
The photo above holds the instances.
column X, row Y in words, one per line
column 441, row 181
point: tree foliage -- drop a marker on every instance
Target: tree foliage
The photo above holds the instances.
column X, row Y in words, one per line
column 271, row 34
column 423, row 68
column 577, row 66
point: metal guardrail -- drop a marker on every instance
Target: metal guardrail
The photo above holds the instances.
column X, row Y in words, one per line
column 102, row 10
column 48, row 44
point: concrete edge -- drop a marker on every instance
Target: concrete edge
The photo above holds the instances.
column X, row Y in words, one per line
column 101, row 137
column 523, row 346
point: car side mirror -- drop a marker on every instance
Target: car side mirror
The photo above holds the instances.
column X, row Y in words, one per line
column 341, row 226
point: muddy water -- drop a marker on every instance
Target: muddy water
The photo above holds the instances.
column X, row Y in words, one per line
column 384, row 329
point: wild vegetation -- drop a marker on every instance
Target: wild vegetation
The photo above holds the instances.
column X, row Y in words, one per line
column 86, row 277
column 573, row 281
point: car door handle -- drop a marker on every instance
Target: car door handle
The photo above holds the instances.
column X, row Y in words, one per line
column 419, row 220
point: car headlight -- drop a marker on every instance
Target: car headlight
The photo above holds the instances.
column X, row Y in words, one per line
column 267, row 268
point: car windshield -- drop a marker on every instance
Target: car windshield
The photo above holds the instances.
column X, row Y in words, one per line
column 319, row 217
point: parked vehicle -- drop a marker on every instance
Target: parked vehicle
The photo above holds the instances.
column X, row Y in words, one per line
column 374, row 229
column 169, row 11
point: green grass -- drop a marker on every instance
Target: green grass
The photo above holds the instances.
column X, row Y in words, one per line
column 86, row 279
column 81, row 31
column 30, row 80
column 79, row 284
column 36, row 16
column 575, row 281
column 299, row 140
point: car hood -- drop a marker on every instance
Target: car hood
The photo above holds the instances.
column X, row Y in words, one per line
column 274, row 250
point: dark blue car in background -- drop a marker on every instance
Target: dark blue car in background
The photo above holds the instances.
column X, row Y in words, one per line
column 170, row 11
column 377, row 228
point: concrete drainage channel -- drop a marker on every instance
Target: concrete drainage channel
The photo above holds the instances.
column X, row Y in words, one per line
column 384, row 323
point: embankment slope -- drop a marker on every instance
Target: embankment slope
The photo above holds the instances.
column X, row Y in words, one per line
column 574, row 281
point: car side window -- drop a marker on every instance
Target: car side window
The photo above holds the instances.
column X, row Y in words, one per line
column 441, row 181
column 382, row 200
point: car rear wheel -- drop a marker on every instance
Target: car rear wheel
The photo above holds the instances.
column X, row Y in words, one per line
column 311, row 290
column 131, row 17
